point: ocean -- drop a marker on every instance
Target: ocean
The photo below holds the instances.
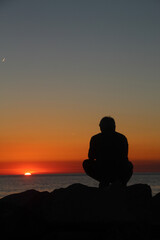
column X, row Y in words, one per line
column 19, row 183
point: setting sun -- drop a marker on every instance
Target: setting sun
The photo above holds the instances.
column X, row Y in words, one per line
column 27, row 174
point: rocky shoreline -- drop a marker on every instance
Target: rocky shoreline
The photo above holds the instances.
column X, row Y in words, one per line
column 82, row 212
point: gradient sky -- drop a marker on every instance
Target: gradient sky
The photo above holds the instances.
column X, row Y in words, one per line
column 67, row 63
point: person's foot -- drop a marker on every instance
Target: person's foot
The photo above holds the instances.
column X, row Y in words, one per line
column 103, row 184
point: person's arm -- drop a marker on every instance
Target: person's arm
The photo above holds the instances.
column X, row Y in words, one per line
column 91, row 152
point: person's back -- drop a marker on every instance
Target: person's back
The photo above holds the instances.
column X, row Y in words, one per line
column 108, row 155
column 108, row 149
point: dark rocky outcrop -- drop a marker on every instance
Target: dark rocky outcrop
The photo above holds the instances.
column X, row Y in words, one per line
column 82, row 212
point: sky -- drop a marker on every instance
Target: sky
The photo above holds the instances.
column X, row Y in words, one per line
column 65, row 64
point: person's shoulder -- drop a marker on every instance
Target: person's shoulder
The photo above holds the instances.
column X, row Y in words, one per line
column 96, row 136
column 121, row 136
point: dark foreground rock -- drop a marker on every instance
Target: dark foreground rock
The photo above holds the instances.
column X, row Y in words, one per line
column 82, row 212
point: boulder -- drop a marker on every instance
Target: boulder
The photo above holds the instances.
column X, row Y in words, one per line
column 78, row 211
column 155, row 217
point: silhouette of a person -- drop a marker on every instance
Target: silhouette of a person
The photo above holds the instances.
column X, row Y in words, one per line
column 108, row 156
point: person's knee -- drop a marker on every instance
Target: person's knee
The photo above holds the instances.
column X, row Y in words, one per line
column 85, row 163
column 130, row 166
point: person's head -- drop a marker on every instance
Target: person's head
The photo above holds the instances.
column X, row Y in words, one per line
column 107, row 124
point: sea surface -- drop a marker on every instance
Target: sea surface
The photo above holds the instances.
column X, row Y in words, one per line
column 19, row 183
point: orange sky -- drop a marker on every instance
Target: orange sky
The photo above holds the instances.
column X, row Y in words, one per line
column 61, row 147
column 45, row 167
column 54, row 167
column 67, row 157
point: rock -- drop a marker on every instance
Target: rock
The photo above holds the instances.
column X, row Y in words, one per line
column 155, row 217
column 139, row 199
column 77, row 209
column 21, row 214
column 79, row 203
column 156, row 208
